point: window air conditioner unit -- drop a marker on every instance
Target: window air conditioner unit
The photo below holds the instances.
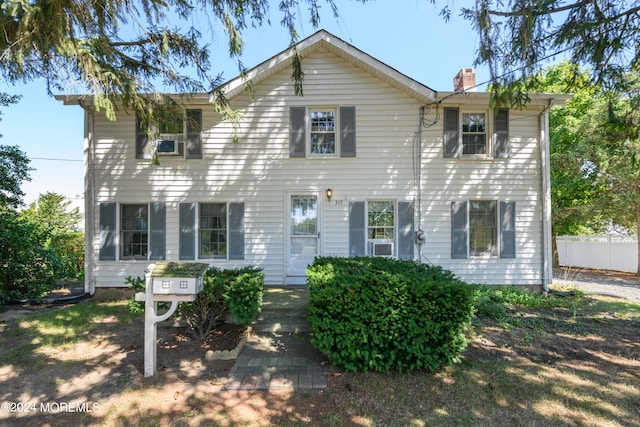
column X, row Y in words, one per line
column 383, row 249
column 169, row 143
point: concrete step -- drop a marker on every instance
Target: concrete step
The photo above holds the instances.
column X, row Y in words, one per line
column 280, row 325
column 284, row 310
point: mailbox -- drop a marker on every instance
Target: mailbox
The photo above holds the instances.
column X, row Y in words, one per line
column 177, row 278
column 172, row 282
column 177, row 285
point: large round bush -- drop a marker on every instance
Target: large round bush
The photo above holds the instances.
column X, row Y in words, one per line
column 381, row 314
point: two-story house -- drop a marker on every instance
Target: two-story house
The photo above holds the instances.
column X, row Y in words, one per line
column 367, row 162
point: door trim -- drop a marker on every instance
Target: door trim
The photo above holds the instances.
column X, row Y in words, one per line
column 299, row 280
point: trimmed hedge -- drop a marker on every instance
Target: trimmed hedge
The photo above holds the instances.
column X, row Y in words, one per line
column 237, row 291
column 380, row 314
column 241, row 289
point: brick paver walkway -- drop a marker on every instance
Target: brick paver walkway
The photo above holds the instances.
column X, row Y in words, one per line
column 279, row 355
column 277, row 362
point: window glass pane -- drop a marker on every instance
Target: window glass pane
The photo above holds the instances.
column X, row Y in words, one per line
column 171, row 125
column 323, row 143
column 134, row 231
column 304, row 214
column 474, row 133
column 483, row 229
column 303, row 245
column 381, row 220
column 323, row 128
column 473, row 122
column 213, row 230
column 473, row 144
column 323, row 121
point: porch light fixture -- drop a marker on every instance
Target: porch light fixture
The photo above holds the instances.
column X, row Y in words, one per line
column 329, row 194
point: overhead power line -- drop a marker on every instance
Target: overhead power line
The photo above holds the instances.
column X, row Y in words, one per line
column 56, row 160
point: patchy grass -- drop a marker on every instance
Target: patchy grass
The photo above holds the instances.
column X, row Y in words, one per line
column 554, row 362
column 42, row 331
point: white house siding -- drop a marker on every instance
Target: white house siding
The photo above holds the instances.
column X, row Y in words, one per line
column 259, row 172
column 517, row 178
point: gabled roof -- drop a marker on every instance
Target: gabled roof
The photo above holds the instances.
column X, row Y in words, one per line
column 344, row 50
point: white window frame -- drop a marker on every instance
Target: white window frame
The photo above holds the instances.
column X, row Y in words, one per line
column 488, row 133
column 392, row 240
column 336, row 131
column 199, row 231
column 121, row 231
column 495, row 252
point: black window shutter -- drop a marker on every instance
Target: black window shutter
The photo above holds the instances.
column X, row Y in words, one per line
column 194, row 134
column 452, row 144
column 157, row 231
column 298, row 134
column 507, row 229
column 405, row 234
column 187, row 231
column 501, row 144
column 142, row 139
column 357, row 229
column 347, row 131
column 107, row 232
column 459, row 230
column 236, row 231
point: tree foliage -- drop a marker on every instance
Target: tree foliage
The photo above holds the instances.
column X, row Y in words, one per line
column 127, row 52
column 27, row 267
column 595, row 152
column 575, row 189
column 14, row 169
column 517, row 38
column 53, row 213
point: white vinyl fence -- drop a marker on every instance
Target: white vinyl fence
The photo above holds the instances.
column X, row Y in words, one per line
column 610, row 252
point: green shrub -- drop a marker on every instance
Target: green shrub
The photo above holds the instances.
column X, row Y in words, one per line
column 494, row 302
column 237, row 291
column 381, row 314
column 69, row 247
column 27, row 266
column 242, row 291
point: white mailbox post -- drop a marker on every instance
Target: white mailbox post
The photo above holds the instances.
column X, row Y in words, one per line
column 172, row 282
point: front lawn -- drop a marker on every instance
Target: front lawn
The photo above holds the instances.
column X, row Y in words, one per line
column 568, row 361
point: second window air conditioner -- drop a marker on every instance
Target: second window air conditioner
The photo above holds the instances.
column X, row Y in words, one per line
column 383, row 250
column 169, row 143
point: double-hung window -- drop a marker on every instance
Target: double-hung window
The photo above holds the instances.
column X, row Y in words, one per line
column 134, row 231
column 381, row 227
column 483, row 228
column 476, row 133
column 322, row 132
column 213, row 230
column 173, row 136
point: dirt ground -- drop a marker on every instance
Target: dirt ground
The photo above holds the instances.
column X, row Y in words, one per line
column 98, row 381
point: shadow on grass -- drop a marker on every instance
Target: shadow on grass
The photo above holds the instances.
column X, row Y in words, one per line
column 550, row 367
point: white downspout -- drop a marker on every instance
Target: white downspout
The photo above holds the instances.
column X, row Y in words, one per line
column 547, row 252
column 89, row 207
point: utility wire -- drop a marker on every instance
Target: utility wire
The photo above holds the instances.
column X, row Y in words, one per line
column 55, row 160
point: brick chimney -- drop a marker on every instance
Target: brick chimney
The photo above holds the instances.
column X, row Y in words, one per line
column 465, row 80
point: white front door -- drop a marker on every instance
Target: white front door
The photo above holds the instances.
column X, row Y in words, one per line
column 303, row 235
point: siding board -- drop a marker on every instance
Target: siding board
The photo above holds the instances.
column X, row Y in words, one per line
column 258, row 170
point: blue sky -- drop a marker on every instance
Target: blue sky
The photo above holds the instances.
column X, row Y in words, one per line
column 409, row 36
